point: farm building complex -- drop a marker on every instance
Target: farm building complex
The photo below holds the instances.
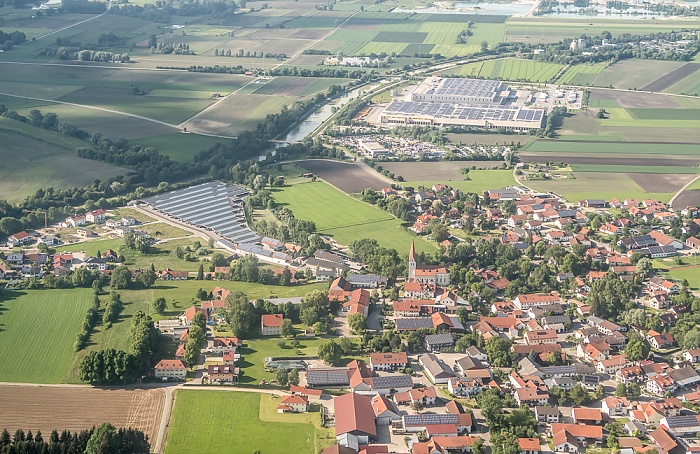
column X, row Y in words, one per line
column 462, row 102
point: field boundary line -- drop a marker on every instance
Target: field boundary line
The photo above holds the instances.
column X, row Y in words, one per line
column 103, row 109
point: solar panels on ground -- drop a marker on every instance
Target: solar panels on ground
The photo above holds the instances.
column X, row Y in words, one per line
column 214, row 205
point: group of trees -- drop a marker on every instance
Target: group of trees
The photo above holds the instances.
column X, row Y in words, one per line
column 161, row 12
column 378, row 259
column 112, row 310
column 104, row 439
column 8, row 40
column 91, row 318
column 286, row 377
column 196, row 337
column 96, row 55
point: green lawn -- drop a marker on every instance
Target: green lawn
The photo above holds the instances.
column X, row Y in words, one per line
column 581, row 74
column 612, row 148
column 204, row 421
column 344, row 218
column 254, row 352
column 479, row 181
column 37, row 331
column 691, row 273
column 181, row 147
column 161, row 230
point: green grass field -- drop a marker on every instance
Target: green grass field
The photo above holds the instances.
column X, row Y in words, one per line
column 37, row 331
column 548, row 29
column 581, row 74
column 690, row 273
column 202, row 420
column 181, row 147
column 480, row 180
column 511, row 69
column 664, row 114
column 592, row 185
column 33, row 158
column 345, row 218
column 255, row 350
column 555, row 146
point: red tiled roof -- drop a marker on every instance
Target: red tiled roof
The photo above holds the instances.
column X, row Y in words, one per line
column 354, row 413
column 170, row 364
column 272, row 320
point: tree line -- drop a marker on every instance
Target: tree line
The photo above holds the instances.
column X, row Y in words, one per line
column 11, row 39
column 104, row 439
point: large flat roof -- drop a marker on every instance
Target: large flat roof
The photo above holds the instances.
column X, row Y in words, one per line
column 464, row 112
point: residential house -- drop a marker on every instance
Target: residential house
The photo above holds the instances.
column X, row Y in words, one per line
column 18, row 239
column 437, row 342
column 541, row 337
column 529, row 445
column 615, row 406
column 547, row 414
column 271, row 324
column 385, row 411
column 583, row 415
column 217, row 373
column 388, row 361
column 526, row 301
column 170, row 369
column 660, row 341
column 664, row 439
column 188, row 315
column 531, row 396
column 425, row 396
column 611, row 365
column 476, row 353
column 293, row 404
column 660, row 384
column 95, row 216
column 692, row 355
column 459, row 386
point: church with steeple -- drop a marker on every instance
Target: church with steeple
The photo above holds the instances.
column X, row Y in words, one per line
column 431, row 275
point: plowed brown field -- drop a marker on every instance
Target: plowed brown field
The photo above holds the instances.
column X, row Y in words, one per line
column 76, row 408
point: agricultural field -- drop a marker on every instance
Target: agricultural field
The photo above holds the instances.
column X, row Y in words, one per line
column 581, row 74
column 37, row 331
column 344, row 218
column 634, row 74
column 36, row 159
column 479, row 180
column 511, row 69
column 546, row 30
column 348, row 177
column 180, row 147
column 201, row 419
column 592, row 185
column 46, row 408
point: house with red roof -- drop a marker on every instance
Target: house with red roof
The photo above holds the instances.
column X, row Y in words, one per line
column 188, row 315
column 388, row 361
column 271, row 324
column 293, row 404
column 529, row 445
column 18, row 239
column 170, row 369
column 95, row 216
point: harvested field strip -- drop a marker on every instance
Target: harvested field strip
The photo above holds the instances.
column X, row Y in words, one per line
column 612, row 147
column 634, row 169
column 79, row 407
column 624, row 160
column 666, row 182
column 673, row 77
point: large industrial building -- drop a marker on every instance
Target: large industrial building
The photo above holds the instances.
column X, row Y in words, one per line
column 462, row 102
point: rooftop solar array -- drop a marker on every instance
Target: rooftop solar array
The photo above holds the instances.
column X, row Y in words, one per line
column 463, row 112
column 461, row 87
column 392, row 382
column 414, row 323
column 365, row 278
column 443, row 338
column 327, row 377
column 215, row 206
column 430, row 418
column 682, row 421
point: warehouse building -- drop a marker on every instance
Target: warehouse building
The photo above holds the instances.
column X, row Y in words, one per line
column 462, row 102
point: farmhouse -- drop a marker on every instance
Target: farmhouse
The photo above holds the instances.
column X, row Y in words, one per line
column 388, row 361
column 221, row 373
column 170, row 369
column 354, row 420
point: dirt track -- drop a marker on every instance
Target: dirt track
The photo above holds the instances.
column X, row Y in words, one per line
column 672, row 77
column 78, row 408
column 656, row 182
column 348, row 177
